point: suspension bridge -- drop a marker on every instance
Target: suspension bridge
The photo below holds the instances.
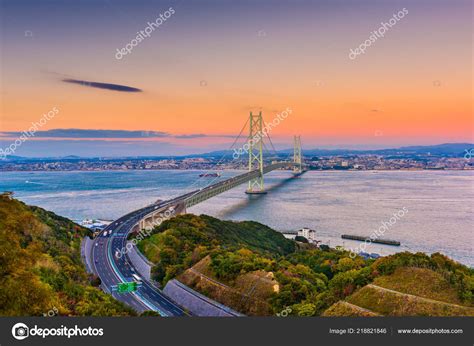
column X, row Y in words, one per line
column 254, row 175
column 116, row 269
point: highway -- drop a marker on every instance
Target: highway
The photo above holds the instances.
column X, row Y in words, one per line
column 113, row 269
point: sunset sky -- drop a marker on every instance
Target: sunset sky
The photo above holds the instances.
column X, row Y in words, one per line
column 211, row 62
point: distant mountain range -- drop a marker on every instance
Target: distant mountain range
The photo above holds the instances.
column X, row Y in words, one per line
column 446, row 149
column 439, row 150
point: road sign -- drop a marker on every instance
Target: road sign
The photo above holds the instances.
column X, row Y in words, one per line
column 126, row 287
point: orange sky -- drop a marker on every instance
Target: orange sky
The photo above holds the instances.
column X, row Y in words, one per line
column 201, row 76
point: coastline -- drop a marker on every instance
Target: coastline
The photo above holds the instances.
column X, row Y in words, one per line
column 241, row 170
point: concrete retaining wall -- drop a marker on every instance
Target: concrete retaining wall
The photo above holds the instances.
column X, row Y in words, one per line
column 86, row 253
column 195, row 302
column 139, row 262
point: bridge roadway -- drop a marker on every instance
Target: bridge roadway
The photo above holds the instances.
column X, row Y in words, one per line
column 225, row 185
column 113, row 270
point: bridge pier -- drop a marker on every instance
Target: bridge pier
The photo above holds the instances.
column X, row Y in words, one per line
column 149, row 223
column 136, row 228
column 256, row 192
column 180, row 209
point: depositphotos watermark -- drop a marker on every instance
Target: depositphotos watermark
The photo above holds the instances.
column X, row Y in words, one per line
column 264, row 133
column 142, row 234
column 10, row 150
column 379, row 232
column 142, row 34
column 469, row 154
column 380, row 32
column 285, row 312
column 21, row 331
column 53, row 312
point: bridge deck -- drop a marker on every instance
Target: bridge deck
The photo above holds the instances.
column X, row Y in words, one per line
column 225, row 185
column 192, row 198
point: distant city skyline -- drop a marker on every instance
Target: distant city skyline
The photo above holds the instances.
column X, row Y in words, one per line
column 188, row 87
column 117, row 149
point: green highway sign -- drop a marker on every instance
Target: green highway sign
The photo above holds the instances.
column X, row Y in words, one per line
column 126, row 287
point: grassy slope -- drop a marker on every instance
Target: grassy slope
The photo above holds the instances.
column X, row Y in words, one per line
column 41, row 269
column 342, row 308
column 391, row 304
column 420, row 285
column 249, row 294
column 420, row 282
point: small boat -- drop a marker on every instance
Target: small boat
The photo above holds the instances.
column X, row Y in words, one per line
column 210, row 175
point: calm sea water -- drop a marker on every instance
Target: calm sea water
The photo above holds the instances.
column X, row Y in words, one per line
column 439, row 203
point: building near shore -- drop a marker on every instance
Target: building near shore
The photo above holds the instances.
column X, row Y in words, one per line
column 308, row 233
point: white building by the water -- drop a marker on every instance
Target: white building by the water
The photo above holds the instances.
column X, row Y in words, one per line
column 308, row 233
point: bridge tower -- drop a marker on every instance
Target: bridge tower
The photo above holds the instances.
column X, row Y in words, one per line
column 255, row 142
column 298, row 168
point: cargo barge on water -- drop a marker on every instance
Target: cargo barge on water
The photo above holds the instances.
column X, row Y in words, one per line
column 379, row 241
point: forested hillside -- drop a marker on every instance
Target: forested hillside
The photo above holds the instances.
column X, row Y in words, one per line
column 40, row 267
column 255, row 270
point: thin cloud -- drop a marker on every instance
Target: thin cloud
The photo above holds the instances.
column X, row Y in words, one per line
column 192, row 135
column 109, row 134
column 83, row 133
column 201, row 135
column 107, row 86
